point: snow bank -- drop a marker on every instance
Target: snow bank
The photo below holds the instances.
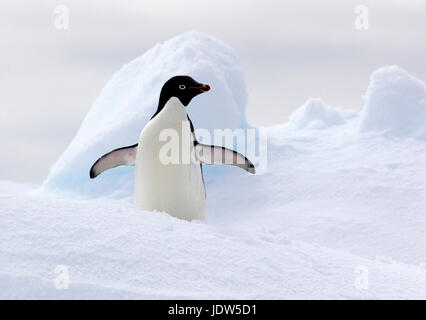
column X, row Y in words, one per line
column 395, row 104
column 110, row 250
column 130, row 98
column 315, row 114
column 329, row 205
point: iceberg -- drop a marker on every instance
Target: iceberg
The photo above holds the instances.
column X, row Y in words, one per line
column 395, row 104
column 315, row 114
column 129, row 100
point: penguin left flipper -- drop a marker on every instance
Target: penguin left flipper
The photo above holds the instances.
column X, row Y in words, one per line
column 115, row 158
column 220, row 155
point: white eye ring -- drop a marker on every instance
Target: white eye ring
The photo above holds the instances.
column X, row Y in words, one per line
column 182, row 87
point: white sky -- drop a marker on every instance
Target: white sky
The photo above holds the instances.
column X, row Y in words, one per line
column 290, row 51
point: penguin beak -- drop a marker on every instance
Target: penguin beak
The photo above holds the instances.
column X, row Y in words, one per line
column 202, row 87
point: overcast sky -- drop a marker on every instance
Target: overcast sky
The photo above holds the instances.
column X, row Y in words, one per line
column 289, row 50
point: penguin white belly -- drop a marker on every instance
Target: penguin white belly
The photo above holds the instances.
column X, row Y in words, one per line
column 176, row 188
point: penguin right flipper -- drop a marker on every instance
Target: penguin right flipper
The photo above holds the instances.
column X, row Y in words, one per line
column 118, row 157
column 220, row 155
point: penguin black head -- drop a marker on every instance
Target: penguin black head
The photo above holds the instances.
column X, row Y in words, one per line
column 182, row 87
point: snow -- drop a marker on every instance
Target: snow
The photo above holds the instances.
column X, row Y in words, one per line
column 342, row 198
column 315, row 114
column 112, row 250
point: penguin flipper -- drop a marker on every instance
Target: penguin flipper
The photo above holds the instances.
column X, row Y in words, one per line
column 118, row 157
column 220, row 155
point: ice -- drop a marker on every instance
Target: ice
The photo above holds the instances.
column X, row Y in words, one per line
column 129, row 100
column 395, row 104
column 342, row 199
column 110, row 250
column 315, row 114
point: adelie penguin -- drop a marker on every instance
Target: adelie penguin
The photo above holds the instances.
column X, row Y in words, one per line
column 175, row 188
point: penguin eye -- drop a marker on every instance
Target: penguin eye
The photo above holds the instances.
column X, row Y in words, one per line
column 182, row 86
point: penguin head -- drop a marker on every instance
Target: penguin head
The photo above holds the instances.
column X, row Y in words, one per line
column 182, row 87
